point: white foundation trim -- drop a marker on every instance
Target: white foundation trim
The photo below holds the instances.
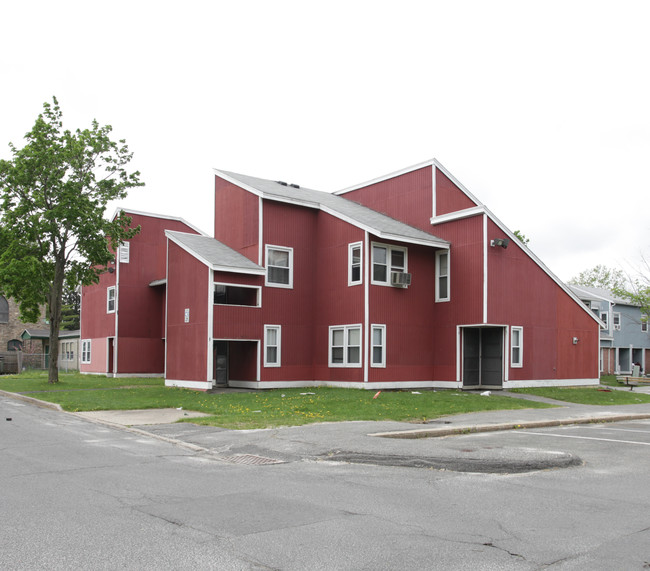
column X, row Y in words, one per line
column 188, row 384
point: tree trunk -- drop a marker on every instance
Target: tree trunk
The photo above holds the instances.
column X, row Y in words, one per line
column 54, row 310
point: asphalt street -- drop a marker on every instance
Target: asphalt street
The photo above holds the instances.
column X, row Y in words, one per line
column 81, row 494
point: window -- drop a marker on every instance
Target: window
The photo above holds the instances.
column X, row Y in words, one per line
column 378, row 346
column 442, row 275
column 110, row 300
column 354, row 263
column 4, row 309
column 644, row 323
column 617, row 322
column 517, row 347
column 345, row 346
column 14, row 345
column 226, row 294
column 272, row 338
column 604, row 316
column 85, row 351
column 124, row 252
column 387, row 259
column 279, row 266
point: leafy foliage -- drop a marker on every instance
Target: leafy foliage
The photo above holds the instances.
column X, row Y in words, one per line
column 54, row 193
column 70, row 309
column 600, row 277
column 522, row 237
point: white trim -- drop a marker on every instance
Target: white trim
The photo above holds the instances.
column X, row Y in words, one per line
column 382, row 328
column 247, row 286
column 434, row 242
column 346, row 346
column 520, row 363
column 210, row 328
column 352, row 246
column 166, row 304
column 345, row 384
column 434, row 189
column 278, row 345
column 258, row 368
column 112, row 288
column 152, row 215
column 88, row 352
column 400, row 172
column 215, row 267
column 389, row 267
column 485, row 268
column 366, row 305
column 287, row 249
column 260, row 232
column 206, row 385
column 551, row 383
column 458, row 215
column 614, row 326
column 439, row 254
column 132, row 375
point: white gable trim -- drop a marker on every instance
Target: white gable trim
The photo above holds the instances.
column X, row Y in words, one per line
column 458, row 215
column 152, row 215
column 215, row 267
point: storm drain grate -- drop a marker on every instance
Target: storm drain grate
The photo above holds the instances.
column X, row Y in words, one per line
column 250, row 459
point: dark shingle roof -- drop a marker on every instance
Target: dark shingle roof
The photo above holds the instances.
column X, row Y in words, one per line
column 377, row 223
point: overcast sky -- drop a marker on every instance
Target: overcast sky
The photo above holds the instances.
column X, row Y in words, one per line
column 541, row 109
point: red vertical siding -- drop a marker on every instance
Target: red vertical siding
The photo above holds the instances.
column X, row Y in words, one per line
column 409, row 316
column 449, row 198
column 187, row 288
column 140, row 345
column 294, row 227
column 407, row 197
column 335, row 302
column 236, row 218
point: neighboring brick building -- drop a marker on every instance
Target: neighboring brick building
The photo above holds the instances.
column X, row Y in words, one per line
column 11, row 327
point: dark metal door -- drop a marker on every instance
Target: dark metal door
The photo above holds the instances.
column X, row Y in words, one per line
column 482, row 357
column 471, row 357
column 221, row 363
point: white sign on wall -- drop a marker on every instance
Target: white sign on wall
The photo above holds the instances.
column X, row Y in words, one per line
column 187, row 315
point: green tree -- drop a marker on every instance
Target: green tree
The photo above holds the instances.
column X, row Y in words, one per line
column 522, row 237
column 600, row 277
column 54, row 193
column 70, row 309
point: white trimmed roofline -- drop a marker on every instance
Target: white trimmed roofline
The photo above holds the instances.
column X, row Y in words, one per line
column 153, row 215
column 434, row 242
column 231, row 269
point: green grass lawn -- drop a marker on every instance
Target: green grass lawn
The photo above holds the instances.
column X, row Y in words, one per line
column 588, row 395
column 260, row 409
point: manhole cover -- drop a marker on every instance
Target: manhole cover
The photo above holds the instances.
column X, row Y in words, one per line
column 250, row 459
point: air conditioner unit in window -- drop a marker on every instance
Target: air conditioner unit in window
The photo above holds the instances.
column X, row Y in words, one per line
column 400, row 279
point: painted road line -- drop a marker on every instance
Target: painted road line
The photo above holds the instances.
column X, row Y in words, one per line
column 581, row 437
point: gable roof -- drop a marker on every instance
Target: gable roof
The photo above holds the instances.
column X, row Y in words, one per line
column 596, row 294
column 356, row 214
column 214, row 254
column 153, row 215
column 45, row 334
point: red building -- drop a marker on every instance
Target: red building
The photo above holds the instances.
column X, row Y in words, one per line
column 404, row 281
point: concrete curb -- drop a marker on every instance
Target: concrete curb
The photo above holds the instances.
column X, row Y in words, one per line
column 32, row 400
column 470, row 429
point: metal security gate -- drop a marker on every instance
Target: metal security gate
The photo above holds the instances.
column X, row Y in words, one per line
column 483, row 357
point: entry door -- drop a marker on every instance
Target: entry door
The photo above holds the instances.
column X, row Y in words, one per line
column 482, row 357
column 221, row 363
column 111, row 354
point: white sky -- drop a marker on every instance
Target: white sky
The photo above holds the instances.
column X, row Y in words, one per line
column 541, row 109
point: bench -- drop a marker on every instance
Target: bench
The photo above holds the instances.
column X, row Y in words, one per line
column 634, row 379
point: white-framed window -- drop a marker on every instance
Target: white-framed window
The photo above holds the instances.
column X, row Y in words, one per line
column 236, row 294
column 125, row 252
column 442, row 276
column 516, row 346
column 345, row 346
column 85, row 351
column 272, row 345
column 355, row 263
column 604, row 317
column 617, row 321
column 378, row 346
column 644, row 323
column 387, row 259
column 110, row 299
column 279, row 266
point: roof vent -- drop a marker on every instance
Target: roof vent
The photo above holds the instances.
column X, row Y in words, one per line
column 281, row 182
column 294, row 185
